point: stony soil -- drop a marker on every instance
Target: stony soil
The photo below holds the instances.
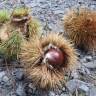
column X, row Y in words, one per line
column 50, row 12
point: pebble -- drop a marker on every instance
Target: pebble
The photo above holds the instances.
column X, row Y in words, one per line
column 5, row 79
column 2, row 74
column 64, row 95
column 84, row 88
column 75, row 74
column 74, row 84
column 90, row 65
column 32, row 88
column 18, row 74
column 20, row 90
column 87, row 59
column 51, row 93
column 92, row 91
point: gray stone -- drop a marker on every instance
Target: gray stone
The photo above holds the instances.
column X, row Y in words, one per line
column 87, row 59
column 59, row 12
column 64, row 94
column 91, row 65
column 84, row 88
column 32, row 88
column 92, row 91
column 5, row 79
column 20, row 90
column 51, row 94
column 93, row 7
column 75, row 74
column 74, row 84
column 18, row 74
column 84, row 70
column 2, row 74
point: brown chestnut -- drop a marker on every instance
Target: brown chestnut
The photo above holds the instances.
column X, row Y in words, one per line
column 54, row 57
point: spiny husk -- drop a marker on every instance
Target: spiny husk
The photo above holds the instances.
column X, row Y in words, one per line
column 19, row 17
column 20, row 12
column 41, row 75
column 6, row 31
column 34, row 28
column 29, row 28
column 80, row 27
column 10, row 48
column 4, row 16
column 28, row 25
column 3, row 33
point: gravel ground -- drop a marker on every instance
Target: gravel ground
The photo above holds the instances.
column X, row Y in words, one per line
column 50, row 13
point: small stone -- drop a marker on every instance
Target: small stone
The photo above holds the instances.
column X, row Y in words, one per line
column 18, row 74
column 75, row 74
column 80, row 2
column 93, row 7
column 59, row 12
column 32, row 88
column 83, row 70
column 11, row 94
column 51, row 94
column 20, row 90
column 90, row 65
column 74, row 84
column 63, row 89
column 1, row 75
column 89, row 58
column 84, row 88
column 64, row 94
column 92, row 91
column 5, row 79
column 71, row 85
column 82, row 92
